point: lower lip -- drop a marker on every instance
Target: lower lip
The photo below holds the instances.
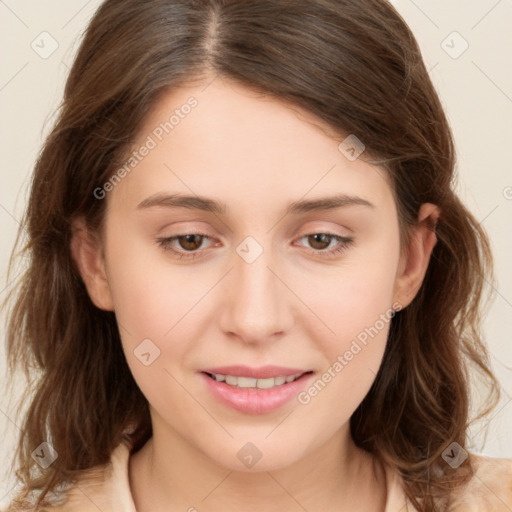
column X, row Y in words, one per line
column 254, row 400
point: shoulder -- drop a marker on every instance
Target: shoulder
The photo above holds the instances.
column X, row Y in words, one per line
column 490, row 488
column 104, row 488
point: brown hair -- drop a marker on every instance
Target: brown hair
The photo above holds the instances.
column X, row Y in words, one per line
column 356, row 66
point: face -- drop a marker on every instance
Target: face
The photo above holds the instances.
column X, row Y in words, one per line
column 249, row 272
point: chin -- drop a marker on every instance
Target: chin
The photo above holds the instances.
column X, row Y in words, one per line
column 255, row 456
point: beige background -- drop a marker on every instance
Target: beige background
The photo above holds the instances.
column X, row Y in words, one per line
column 475, row 87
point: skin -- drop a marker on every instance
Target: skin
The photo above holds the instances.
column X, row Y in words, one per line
column 292, row 306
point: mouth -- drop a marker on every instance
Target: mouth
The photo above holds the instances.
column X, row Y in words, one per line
column 252, row 390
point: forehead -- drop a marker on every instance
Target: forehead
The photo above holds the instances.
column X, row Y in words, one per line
column 245, row 145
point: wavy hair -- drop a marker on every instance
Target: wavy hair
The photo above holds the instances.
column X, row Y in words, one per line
column 354, row 65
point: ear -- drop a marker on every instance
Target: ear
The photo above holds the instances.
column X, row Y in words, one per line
column 87, row 252
column 415, row 258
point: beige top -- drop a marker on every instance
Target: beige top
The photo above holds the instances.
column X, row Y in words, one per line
column 107, row 488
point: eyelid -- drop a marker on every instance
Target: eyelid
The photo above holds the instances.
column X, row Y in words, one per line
column 343, row 242
column 168, row 239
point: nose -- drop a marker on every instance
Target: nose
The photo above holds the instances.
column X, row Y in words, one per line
column 256, row 307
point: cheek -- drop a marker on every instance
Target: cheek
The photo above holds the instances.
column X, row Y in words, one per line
column 151, row 307
column 149, row 290
column 352, row 355
column 151, row 299
column 359, row 294
column 357, row 308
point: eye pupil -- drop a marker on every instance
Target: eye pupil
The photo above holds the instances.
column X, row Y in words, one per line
column 189, row 239
column 323, row 238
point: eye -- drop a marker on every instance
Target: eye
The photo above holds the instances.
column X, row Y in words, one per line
column 320, row 242
column 189, row 242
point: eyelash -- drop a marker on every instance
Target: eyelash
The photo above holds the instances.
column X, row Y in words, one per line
column 344, row 243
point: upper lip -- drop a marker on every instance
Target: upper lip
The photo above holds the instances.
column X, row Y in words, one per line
column 263, row 372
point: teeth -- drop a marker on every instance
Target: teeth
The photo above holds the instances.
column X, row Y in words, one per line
column 243, row 382
column 248, row 382
column 265, row 383
column 232, row 381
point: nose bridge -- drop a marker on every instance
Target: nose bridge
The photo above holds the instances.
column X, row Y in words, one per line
column 256, row 308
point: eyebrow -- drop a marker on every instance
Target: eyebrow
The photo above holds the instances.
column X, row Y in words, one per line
column 213, row 206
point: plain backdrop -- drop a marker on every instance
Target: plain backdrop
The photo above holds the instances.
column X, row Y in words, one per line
column 467, row 47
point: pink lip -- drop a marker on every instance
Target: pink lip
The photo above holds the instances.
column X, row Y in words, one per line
column 253, row 400
column 263, row 372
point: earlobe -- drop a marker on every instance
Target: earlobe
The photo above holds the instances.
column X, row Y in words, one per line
column 414, row 263
column 86, row 252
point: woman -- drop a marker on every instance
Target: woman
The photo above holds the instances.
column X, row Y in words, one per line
column 251, row 285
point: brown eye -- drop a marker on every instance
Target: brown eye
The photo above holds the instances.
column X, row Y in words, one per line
column 185, row 246
column 320, row 241
column 320, row 244
column 190, row 242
